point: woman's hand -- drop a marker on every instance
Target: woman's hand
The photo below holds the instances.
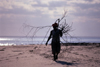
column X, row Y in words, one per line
column 46, row 43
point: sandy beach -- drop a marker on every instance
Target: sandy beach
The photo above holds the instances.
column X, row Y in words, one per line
column 41, row 56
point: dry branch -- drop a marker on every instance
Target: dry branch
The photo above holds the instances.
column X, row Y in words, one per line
column 63, row 26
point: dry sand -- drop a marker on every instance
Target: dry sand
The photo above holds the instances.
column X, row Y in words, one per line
column 41, row 56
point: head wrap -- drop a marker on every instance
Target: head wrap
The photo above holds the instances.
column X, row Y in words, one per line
column 55, row 25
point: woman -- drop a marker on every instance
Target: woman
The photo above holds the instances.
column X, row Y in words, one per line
column 55, row 45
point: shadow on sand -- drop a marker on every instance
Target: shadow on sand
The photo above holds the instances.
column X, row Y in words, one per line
column 65, row 63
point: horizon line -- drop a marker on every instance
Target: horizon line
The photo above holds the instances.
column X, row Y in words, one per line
column 48, row 36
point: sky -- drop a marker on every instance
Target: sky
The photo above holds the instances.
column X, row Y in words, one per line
column 83, row 14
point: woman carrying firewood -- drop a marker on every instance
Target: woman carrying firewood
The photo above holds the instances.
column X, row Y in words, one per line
column 55, row 34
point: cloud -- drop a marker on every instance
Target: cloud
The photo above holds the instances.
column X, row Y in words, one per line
column 57, row 4
column 44, row 12
column 83, row 1
column 86, row 11
column 20, row 11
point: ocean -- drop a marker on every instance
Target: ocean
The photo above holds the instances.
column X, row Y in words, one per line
column 23, row 40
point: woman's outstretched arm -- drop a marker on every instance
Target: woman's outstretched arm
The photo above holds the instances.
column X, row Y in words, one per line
column 49, row 38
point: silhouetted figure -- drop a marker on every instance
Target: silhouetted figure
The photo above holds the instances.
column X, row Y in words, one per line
column 55, row 34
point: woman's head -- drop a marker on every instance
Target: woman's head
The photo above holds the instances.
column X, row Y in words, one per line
column 55, row 25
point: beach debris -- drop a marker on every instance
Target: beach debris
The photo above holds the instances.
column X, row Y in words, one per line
column 3, row 49
column 30, row 50
column 98, row 45
column 35, row 47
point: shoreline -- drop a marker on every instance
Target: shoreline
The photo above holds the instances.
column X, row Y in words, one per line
column 80, row 44
column 66, row 44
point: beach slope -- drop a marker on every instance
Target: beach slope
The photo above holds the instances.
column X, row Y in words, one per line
column 41, row 56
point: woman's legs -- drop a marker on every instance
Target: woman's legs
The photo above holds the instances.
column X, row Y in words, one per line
column 55, row 56
column 55, row 49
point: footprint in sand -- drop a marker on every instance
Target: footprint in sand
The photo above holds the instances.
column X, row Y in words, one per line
column 46, row 55
column 30, row 50
column 75, row 53
column 16, row 50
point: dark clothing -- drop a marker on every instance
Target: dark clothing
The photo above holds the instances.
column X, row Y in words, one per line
column 55, row 45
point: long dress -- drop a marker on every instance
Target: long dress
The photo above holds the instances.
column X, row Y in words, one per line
column 55, row 45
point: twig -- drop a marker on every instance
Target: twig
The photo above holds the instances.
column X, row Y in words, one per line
column 63, row 26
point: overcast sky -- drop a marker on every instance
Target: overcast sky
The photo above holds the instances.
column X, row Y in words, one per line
column 85, row 15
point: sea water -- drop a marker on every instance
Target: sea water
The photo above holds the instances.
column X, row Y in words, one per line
column 16, row 40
